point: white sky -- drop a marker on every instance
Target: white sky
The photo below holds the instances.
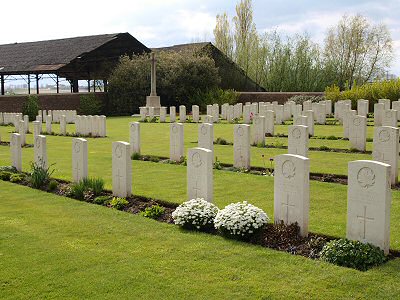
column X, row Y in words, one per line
column 162, row 23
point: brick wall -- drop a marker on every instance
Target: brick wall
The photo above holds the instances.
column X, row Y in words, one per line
column 46, row 101
column 281, row 97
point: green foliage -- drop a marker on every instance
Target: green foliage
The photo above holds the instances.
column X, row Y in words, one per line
column 31, row 107
column 39, row 175
column 217, row 95
column 385, row 89
column 217, row 164
column 332, row 137
column 323, row 148
column 53, row 185
column 300, row 99
column 17, row 178
column 87, row 188
column 352, row 254
column 135, row 156
column 180, row 75
column 221, row 141
column 153, row 212
column 5, row 175
column 90, row 105
column 10, row 169
column 102, row 200
column 118, row 203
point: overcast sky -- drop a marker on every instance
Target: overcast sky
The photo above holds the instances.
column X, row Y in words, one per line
column 162, row 23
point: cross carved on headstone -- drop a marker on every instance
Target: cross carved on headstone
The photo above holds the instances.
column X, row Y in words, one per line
column 196, row 189
column 287, row 206
column 364, row 219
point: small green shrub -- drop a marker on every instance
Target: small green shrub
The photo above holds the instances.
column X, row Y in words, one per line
column 154, row 159
column 17, row 178
column 221, row 141
column 31, row 107
column 260, row 145
column 331, row 137
column 39, row 175
column 352, row 254
column 9, row 169
column 89, row 105
column 102, row 200
column 135, row 156
column 87, row 188
column 53, row 185
column 323, row 148
column 118, row 203
column 6, row 176
column 153, row 212
column 217, row 164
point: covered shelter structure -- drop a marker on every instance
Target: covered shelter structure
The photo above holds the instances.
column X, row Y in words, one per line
column 79, row 58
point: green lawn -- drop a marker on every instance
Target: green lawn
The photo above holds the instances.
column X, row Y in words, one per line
column 54, row 247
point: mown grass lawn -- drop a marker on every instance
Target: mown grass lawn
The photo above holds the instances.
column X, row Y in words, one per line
column 54, row 247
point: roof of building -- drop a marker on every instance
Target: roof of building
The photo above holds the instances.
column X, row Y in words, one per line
column 53, row 55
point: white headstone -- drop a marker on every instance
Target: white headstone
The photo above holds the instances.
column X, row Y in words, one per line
column 121, row 169
column 151, row 112
column 270, row 122
column 246, row 114
column 134, row 137
column 206, row 136
column 278, row 114
column 163, row 114
column 200, row 174
column 40, row 151
column 346, row 122
column 176, row 148
column 259, row 130
column 215, row 113
column 292, row 190
column 22, row 132
column 143, row 113
column 358, row 132
column 16, row 151
column 26, row 123
column 385, row 102
column 79, row 159
column 396, row 106
column 172, row 114
column 386, row 148
column 196, row 113
column 310, row 121
column 298, row 140
column 37, row 128
column 48, row 124
column 369, row 199
column 328, row 107
column 378, row 114
column 103, row 126
column 182, row 113
column 389, row 118
column 208, row 119
column 63, row 125
column 241, row 146
column 362, row 107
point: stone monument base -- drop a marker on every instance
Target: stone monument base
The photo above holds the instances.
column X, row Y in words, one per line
column 153, row 101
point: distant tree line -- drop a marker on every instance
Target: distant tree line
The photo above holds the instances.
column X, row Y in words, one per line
column 354, row 51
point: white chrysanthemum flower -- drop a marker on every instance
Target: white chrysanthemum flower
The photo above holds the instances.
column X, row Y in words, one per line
column 195, row 214
column 240, row 219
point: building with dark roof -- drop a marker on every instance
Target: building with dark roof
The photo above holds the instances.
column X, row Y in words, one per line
column 78, row 58
column 232, row 76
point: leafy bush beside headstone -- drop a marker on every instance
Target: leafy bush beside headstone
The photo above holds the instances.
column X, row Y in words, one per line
column 352, row 254
column 31, row 107
column 153, row 212
column 119, row 203
column 195, row 214
column 240, row 220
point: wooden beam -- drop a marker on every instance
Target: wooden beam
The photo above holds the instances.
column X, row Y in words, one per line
column 37, row 84
column 2, row 85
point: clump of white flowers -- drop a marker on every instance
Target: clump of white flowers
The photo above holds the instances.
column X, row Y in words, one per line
column 195, row 214
column 240, row 219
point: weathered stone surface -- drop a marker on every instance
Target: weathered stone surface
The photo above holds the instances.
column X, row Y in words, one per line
column 200, row 174
column 298, row 140
column 79, row 159
column 358, row 132
column 16, row 151
column 176, row 149
column 259, row 130
column 292, row 190
column 40, row 151
column 121, row 169
column 196, row 113
column 368, row 203
column 241, row 146
column 206, row 136
column 134, row 137
column 172, row 114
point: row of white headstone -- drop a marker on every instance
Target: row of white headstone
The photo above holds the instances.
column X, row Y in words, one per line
column 56, row 115
column 91, row 125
